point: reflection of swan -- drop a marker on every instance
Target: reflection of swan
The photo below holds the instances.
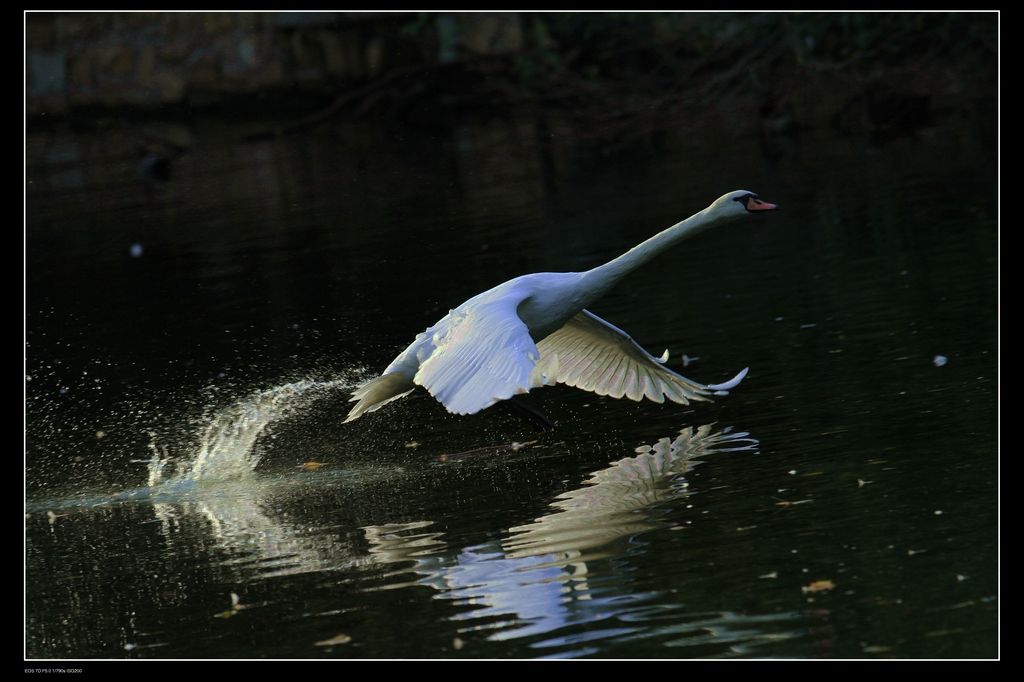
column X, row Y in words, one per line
column 533, row 331
column 537, row 581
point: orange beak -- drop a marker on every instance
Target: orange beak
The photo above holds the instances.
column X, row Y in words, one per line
column 758, row 205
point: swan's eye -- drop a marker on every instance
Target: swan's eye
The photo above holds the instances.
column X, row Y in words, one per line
column 746, row 199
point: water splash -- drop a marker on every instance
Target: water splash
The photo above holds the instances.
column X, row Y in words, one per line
column 227, row 445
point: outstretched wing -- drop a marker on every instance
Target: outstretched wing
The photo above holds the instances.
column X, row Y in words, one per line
column 482, row 353
column 594, row 355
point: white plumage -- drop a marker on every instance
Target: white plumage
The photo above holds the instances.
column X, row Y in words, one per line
column 534, row 331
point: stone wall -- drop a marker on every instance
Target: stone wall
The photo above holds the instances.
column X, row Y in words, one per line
column 149, row 59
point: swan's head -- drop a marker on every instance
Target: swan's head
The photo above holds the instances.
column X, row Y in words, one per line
column 736, row 205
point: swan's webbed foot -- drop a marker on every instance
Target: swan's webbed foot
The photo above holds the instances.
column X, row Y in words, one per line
column 537, row 420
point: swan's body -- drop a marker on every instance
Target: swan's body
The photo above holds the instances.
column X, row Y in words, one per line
column 535, row 331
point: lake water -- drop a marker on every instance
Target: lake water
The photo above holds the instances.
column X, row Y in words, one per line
column 192, row 492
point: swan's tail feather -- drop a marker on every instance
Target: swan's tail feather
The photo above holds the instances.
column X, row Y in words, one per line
column 378, row 392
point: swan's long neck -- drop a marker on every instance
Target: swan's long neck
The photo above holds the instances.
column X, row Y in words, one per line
column 602, row 278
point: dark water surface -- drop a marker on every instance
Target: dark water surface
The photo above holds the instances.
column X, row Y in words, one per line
column 191, row 343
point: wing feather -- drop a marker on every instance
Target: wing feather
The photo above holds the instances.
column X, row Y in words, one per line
column 482, row 353
column 593, row 355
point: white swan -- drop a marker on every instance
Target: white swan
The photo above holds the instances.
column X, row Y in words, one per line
column 534, row 331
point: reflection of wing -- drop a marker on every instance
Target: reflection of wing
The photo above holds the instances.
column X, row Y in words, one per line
column 482, row 353
column 618, row 499
column 591, row 354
